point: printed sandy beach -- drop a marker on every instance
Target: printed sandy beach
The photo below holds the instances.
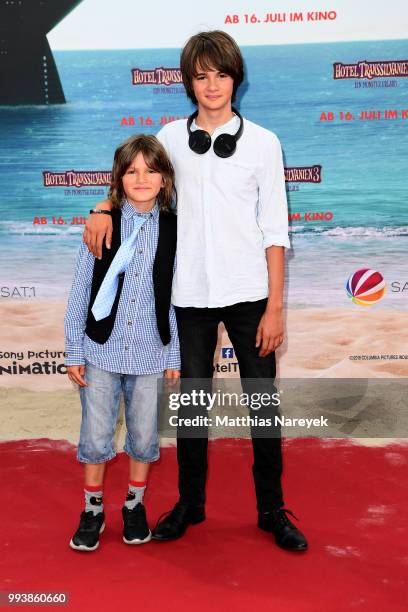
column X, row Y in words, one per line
column 328, row 343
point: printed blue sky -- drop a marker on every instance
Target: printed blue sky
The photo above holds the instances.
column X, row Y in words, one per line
column 127, row 24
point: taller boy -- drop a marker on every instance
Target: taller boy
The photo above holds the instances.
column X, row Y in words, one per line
column 232, row 230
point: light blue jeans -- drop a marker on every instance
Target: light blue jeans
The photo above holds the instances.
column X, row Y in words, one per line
column 100, row 402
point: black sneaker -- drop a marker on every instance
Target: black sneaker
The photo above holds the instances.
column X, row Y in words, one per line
column 287, row 535
column 135, row 527
column 86, row 536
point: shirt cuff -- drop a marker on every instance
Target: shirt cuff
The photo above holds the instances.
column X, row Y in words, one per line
column 74, row 356
column 274, row 240
column 173, row 363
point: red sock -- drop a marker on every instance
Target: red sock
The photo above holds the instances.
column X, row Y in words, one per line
column 137, row 483
column 93, row 488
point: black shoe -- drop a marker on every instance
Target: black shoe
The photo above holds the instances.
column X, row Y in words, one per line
column 135, row 527
column 86, row 536
column 287, row 536
column 176, row 521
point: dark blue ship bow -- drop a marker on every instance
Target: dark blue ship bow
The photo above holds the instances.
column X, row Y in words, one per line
column 28, row 74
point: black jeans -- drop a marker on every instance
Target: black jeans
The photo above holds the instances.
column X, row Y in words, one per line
column 198, row 331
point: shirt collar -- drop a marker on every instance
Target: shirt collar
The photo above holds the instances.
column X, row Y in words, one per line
column 227, row 128
column 128, row 211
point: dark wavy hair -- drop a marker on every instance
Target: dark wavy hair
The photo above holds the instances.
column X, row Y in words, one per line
column 211, row 50
column 155, row 157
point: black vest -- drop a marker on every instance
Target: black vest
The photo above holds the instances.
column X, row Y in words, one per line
column 99, row 331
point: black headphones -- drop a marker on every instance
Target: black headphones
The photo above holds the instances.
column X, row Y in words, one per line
column 199, row 141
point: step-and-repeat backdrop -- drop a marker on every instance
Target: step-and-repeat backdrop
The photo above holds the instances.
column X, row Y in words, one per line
column 330, row 79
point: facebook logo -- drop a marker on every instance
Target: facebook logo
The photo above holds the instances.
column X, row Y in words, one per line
column 227, row 352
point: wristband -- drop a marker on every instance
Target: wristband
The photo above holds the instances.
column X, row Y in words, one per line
column 98, row 211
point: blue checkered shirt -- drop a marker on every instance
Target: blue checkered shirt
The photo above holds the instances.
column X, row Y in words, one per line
column 134, row 346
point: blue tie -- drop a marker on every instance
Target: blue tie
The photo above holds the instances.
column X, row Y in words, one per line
column 105, row 298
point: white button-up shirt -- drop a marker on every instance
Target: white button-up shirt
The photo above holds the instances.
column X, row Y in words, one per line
column 229, row 211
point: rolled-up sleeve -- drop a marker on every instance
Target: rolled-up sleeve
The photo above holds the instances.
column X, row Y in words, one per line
column 272, row 212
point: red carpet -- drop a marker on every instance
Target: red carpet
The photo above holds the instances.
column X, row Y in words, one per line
column 352, row 502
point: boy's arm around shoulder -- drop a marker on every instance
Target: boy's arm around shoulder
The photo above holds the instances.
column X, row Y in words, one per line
column 99, row 228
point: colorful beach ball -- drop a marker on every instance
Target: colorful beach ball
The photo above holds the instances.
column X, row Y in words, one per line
column 365, row 287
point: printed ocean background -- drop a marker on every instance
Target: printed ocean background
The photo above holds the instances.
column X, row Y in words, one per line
column 363, row 176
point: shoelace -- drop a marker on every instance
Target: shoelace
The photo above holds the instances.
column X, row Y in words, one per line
column 136, row 516
column 88, row 521
column 283, row 519
column 177, row 513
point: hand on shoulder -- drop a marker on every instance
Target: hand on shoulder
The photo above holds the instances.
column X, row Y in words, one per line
column 98, row 227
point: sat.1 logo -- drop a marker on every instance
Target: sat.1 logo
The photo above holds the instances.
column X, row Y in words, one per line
column 365, row 287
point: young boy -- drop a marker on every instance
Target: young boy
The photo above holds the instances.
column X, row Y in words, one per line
column 121, row 333
column 232, row 231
